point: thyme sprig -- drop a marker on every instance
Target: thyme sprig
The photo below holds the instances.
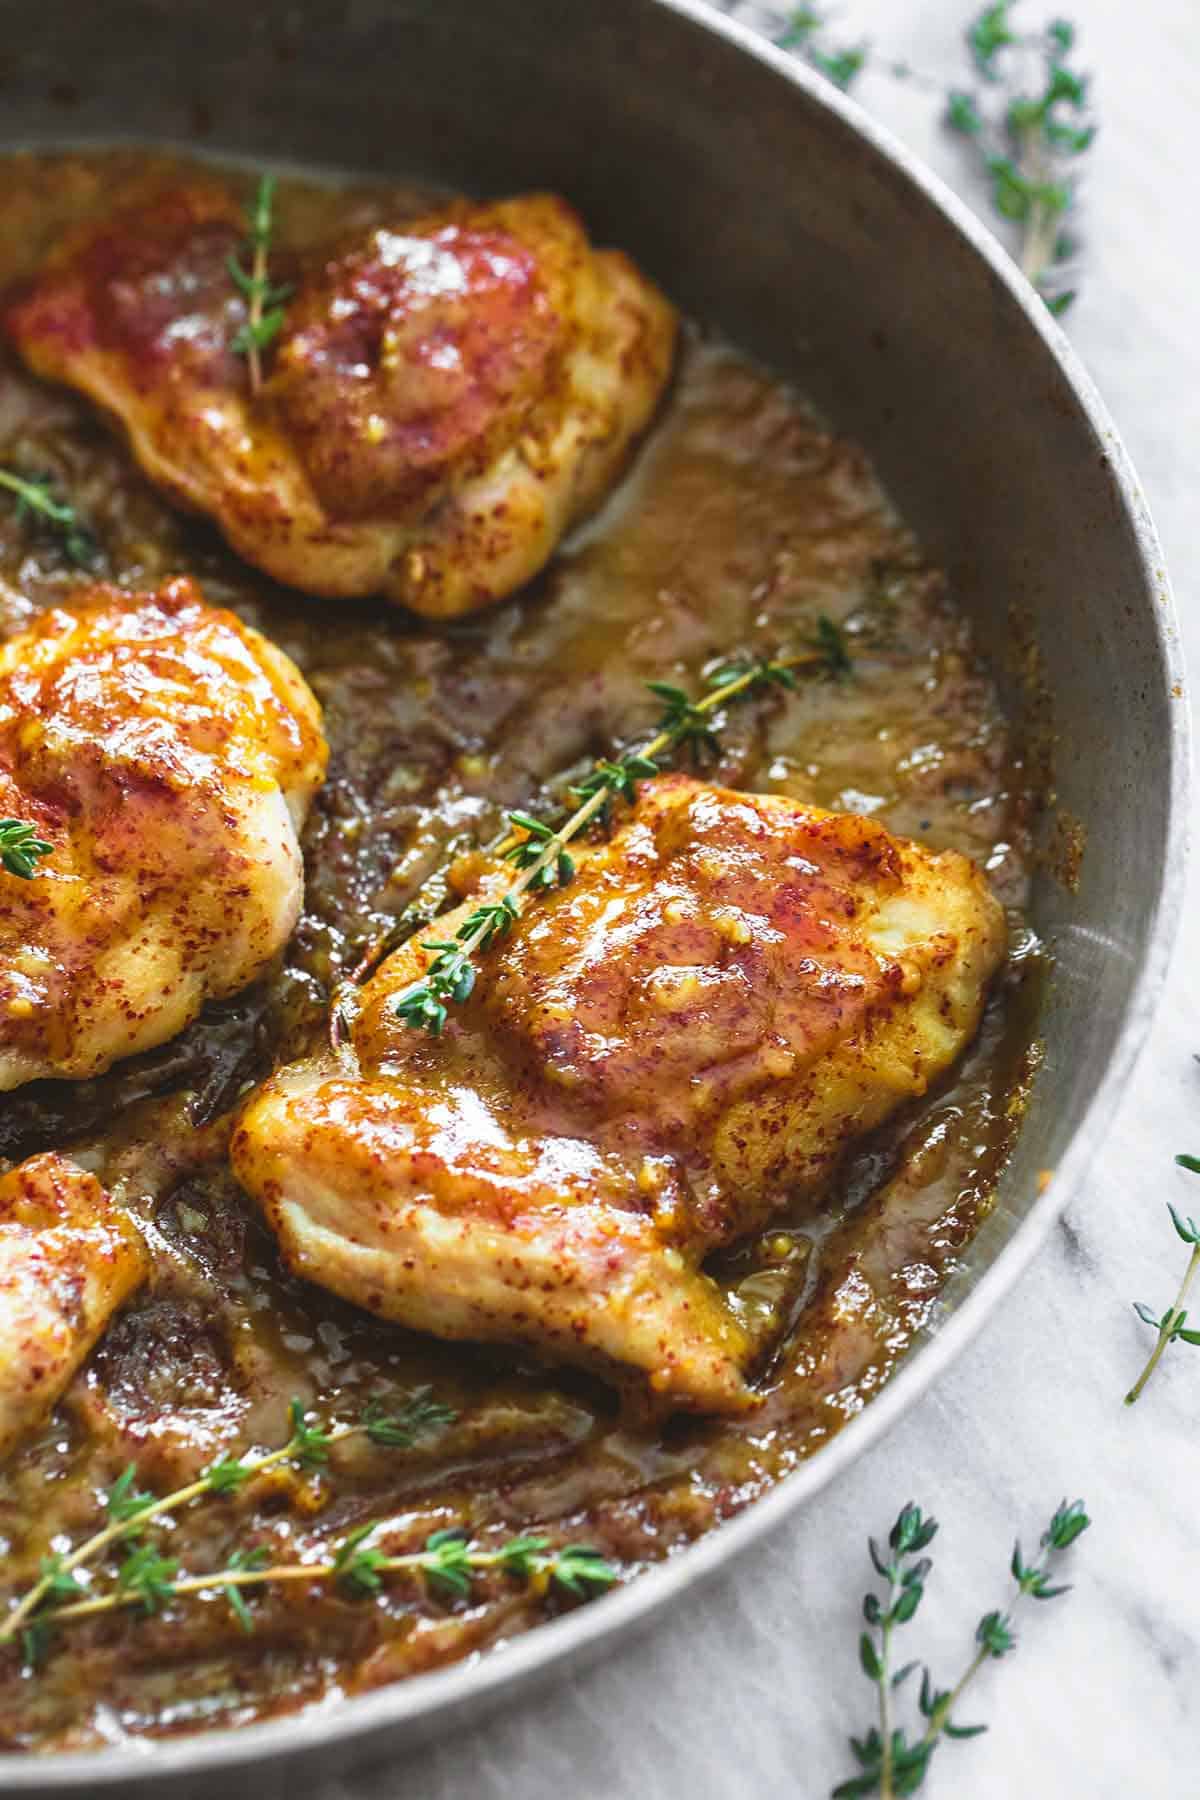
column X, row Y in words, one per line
column 36, row 501
column 540, row 851
column 892, row 1762
column 265, row 300
column 20, row 848
column 128, row 1510
column 804, row 33
column 1172, row 1327
column 448, row 1563
column 1028, row 143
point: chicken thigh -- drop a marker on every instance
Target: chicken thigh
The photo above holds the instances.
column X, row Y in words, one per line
column 446, row 394
column 167, row 754
column 68, row 1261
column 729, row 992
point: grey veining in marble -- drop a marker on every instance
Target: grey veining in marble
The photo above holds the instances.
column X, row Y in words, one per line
column 751, row 1688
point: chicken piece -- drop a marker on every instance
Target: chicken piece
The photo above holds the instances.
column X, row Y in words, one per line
column 68, row 1261
column 447, row 394
column 656, row 1057
column 167, row 753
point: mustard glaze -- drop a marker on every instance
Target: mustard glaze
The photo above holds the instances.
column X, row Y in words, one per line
column 743, row 520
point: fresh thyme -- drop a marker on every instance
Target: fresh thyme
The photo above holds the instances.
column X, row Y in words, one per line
column 804, row 33
column 20, row 848
column 1028, row 143
column 150, row 1579
column 36, row 501
column 1172, row 1326
column 891, row 1762
column 448, row 1563
column 540, row 851
column 264, row 299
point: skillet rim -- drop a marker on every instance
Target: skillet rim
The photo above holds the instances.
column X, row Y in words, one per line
column 411, row 1708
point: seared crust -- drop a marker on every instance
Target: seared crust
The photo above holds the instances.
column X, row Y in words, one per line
column 168, row 753
column 68, row 1261
column 448, row 394
column 731, row 990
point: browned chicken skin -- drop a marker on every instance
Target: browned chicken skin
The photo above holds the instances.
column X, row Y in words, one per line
column 167, row 753
column 68, row 1260
column 448, row 393
column 732, row 988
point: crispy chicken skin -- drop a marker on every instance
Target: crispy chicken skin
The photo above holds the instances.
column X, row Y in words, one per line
column 448, row 393
column 68, row 1260
column 168, row 753
column 732, row 989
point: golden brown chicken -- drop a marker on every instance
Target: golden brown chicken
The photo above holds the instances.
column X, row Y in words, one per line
column 447, row 394
column 68, row 1260
column 167, row 754
column 730, row 991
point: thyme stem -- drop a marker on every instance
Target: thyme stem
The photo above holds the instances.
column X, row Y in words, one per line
column 945, row 1706
column 541, row 853
column 128, row 1513
column 892, row 1763
column 885, row 1691
column 264, row 300
column 1041, row 226
column 1173, row 1323
column 1172, row 1318
column 415, row 1561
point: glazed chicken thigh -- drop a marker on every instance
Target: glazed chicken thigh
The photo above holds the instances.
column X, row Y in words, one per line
column 68, row 1260
column 167, row 754
column 731, row 989
column 447, row 393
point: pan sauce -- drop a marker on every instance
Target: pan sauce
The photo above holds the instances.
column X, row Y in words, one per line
column 742, row 522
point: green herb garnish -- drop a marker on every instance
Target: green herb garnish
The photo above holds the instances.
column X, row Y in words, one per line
column 448, row 1564
column 1172, row 1327
column 20, row 848
column 804, row 33
column 264, row 300
column 146, row 1578
column 540, row 851
column 36, row 501
column 1027, row 143
column 892, row 1762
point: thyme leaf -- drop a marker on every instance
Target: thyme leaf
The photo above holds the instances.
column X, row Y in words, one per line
column 804, row 33
column 20, row 848
column 420, row 1415
column 147, row 1577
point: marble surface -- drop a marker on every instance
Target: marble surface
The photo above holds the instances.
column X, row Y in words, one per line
column 751, row 1687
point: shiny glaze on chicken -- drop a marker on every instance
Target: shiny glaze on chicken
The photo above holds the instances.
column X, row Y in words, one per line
column 449, row 392
column 743, row 520
column 168, row 754
column 686, row 1039
column 69, row 1259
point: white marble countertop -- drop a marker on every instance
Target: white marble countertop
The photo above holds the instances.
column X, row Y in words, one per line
column 751, row 1687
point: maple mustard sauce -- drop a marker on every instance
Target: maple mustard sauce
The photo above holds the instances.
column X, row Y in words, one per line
column 742, row 522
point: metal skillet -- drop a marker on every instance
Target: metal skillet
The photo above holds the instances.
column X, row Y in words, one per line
column 764, row 202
